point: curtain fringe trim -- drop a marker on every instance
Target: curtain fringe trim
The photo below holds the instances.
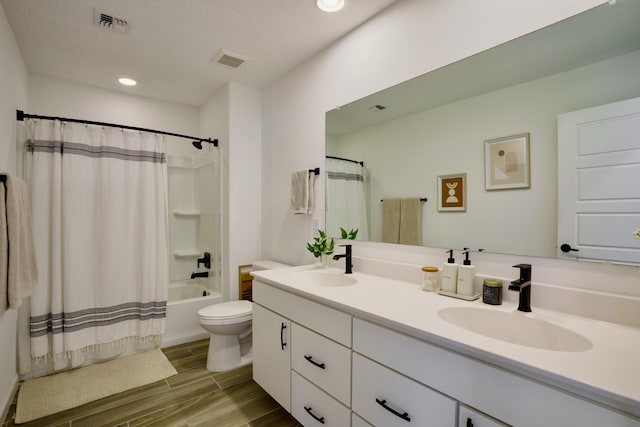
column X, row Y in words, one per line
column 70, row 354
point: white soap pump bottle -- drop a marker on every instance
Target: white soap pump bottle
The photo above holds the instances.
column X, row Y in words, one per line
column 450, row 274
column 466, row 277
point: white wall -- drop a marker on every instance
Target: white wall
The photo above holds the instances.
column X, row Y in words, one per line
column 234, row 116
column 54, row 97
column 405, row 156
column 408, row 39
column 13, row 96
column 245, row 172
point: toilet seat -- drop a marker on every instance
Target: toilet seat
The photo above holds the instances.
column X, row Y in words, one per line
column 226, row 313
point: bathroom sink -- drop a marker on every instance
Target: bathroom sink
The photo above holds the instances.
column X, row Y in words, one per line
column 515, row 328
column 325, row 277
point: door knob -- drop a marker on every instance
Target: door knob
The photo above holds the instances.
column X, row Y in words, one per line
column 565, row 247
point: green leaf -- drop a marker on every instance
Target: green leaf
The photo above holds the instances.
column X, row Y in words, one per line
column 321, row 245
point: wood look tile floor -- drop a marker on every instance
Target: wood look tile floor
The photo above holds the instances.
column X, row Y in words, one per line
column 193, row 397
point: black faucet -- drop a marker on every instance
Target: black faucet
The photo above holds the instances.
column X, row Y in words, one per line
column 206, row 260
column 347, row 256
column 203, row 274
column 523, row 286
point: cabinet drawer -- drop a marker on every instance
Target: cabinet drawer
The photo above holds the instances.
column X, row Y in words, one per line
column 325, row 363
column 325, row 320
column 311, row 406
column 469, row 417
column 386, row 398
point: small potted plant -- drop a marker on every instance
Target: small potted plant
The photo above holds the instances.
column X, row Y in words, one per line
column 321, row 247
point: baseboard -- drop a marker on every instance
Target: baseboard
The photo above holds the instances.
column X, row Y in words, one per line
column 184, row 339
column 8, row 402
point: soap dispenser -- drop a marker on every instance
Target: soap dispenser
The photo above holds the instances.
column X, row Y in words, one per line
column 450, row 274
column 466, row 277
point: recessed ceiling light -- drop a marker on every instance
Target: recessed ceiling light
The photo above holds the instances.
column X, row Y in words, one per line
column 330, row 5
column 127, row 81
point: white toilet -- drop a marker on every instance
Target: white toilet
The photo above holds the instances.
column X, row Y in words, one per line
column 229, row 324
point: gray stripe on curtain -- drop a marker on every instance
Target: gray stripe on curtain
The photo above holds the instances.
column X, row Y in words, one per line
column 94, row 151
column 345, row 176
column 68, row 322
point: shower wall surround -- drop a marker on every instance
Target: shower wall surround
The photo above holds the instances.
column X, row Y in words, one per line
column 194, row 216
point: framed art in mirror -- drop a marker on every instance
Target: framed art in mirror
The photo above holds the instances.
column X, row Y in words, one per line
column 506, row 162
column 452, row 192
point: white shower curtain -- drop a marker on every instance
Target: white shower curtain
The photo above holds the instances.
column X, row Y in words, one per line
column 100, row 226
column 345, row 200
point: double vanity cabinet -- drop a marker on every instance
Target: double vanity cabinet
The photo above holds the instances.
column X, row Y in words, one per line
column 330, row 362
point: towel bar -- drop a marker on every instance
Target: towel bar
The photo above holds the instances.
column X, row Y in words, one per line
column 422, row 199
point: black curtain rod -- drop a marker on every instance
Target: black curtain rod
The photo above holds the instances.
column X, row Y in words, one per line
column 346, row 160
column 423, row 199
column 21, row 115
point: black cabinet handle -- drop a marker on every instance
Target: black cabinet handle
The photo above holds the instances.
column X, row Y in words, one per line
column 383, row 403
column 313, row 362
column 315, row 417
column 469, row 422
column 283, row 344
column 565, row 247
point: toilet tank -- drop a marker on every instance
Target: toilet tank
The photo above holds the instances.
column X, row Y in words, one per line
column 245, row 280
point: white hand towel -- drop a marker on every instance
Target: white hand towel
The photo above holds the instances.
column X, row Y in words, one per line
column 21, row 270
column 301, row 192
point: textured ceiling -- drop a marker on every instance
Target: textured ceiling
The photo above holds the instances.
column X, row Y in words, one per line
column 170, row 44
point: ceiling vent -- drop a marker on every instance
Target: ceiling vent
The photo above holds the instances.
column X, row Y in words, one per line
column 110, row 21
column 229, row 58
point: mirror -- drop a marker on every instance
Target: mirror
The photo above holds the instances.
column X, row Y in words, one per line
column 437, row 125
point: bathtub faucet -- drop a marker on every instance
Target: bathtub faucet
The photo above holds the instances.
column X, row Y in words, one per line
column 203, row 274
column 206, row 260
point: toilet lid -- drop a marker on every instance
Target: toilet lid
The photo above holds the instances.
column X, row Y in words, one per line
column 226, row 310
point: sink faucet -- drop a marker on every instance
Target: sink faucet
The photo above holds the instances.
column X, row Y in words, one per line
column 523, row 286
column 203, row 274
column 347, row 257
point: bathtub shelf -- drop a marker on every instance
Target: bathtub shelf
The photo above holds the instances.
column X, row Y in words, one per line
column 186, row 214
column 186, row 254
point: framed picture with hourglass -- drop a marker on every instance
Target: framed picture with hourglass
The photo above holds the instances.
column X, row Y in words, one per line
column 452, row 192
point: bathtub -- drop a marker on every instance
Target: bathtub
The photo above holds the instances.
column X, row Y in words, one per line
column 185, row 299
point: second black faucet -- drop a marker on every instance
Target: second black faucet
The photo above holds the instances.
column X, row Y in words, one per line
column 347, row 259
column 523, row 286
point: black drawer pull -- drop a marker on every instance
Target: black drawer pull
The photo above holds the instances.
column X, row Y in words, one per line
column 383, row 403
column 313, row 362
column 315, row 417
column 469, row 422
column 283, row 344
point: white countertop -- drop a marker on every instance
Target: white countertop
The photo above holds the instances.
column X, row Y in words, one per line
column 607, row 373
